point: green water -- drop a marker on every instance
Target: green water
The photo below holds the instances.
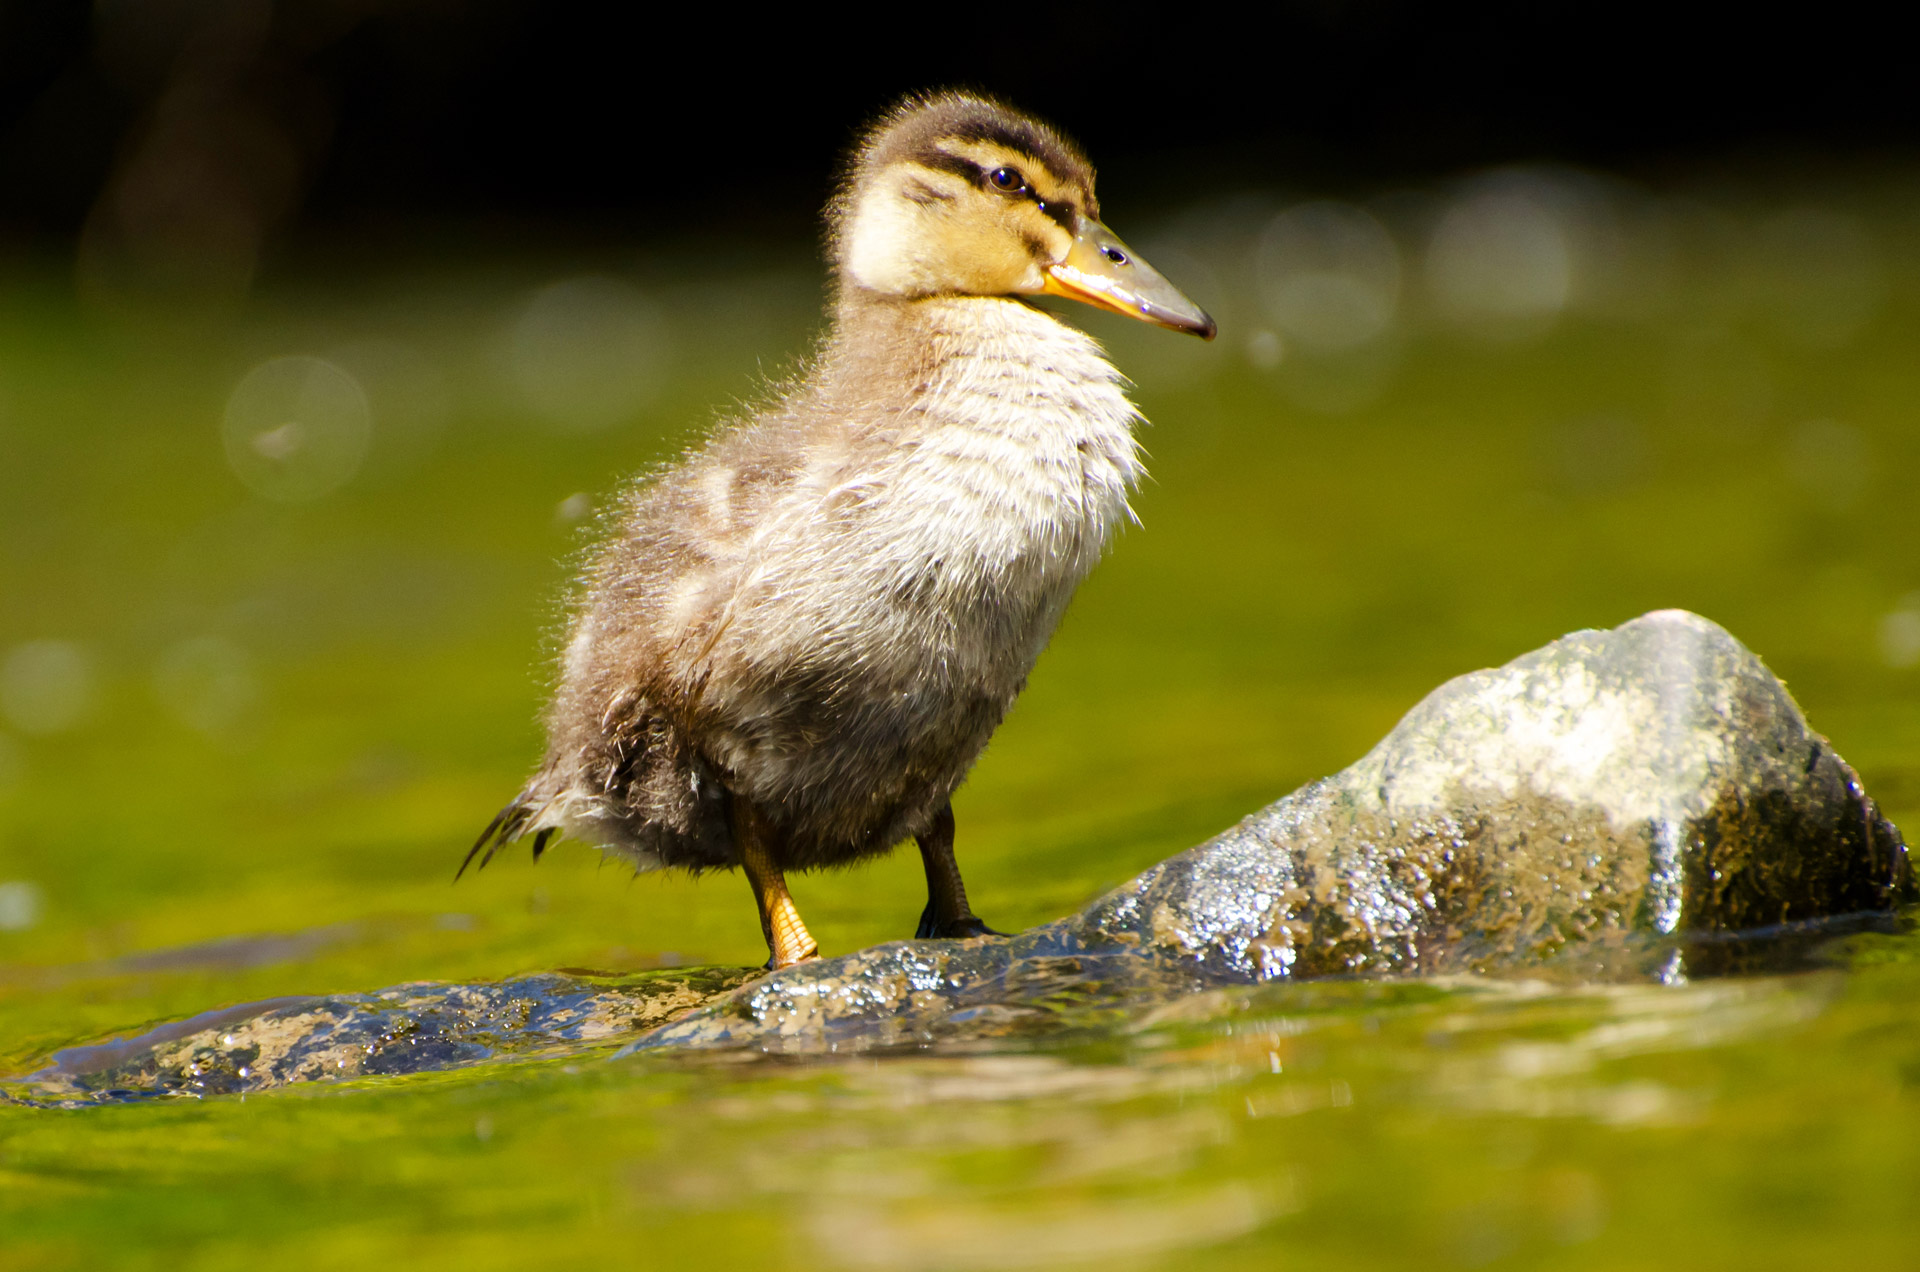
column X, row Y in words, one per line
column 287, row 720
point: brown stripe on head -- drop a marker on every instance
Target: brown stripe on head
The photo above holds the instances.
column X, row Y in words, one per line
column 956, row 132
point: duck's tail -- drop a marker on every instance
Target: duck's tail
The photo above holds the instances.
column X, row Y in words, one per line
column 509, row 824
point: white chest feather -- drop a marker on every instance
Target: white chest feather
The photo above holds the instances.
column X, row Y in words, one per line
column 910, row 580
column 1028, row 449
column 952, row 551
column 1016, row 474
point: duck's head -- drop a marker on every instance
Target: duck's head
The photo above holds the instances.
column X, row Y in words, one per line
column 958, row 195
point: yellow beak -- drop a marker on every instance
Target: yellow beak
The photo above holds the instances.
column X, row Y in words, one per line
column 1102, row 271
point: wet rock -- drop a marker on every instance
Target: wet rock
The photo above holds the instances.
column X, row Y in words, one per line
column 1644, row 799
column 1641, row 801
column 407, row 1029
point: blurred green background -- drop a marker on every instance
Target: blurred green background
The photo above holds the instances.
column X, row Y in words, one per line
column 294, row 470
column 284, row 581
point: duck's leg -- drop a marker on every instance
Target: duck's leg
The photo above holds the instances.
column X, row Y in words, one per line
column 947, row 912
column 787, row 937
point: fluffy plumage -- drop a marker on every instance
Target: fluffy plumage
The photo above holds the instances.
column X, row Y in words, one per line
column 829, row 607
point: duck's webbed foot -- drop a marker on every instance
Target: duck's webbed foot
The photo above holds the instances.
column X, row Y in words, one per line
column 788, row 941
column 947, row 914
column 934, row 928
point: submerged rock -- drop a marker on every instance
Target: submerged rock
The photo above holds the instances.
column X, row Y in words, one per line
column 406, row 1029
column 1646, row 800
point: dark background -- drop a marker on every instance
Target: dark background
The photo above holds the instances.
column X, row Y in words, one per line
column 344, row 116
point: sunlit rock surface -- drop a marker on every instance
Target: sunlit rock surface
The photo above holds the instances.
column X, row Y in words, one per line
column 1641, row 802
column 1652, row 780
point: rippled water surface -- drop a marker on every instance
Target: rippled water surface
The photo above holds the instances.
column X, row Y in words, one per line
column 279, row 584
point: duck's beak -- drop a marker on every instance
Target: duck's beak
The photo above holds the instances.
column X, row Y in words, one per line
column 1104, row 272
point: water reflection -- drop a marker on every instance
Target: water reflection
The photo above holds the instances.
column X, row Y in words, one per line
column 1019, row 1234
column 1224, row 1115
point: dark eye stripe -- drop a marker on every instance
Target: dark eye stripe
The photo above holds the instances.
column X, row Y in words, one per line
column 1062, row 211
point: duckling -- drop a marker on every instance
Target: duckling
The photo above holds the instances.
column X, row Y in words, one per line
column 803, row 633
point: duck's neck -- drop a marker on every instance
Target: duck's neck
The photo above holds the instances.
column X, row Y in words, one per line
column 1019, row 422
column 993, row 362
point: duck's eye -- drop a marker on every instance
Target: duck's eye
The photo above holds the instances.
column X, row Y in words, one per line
column 1008, row 179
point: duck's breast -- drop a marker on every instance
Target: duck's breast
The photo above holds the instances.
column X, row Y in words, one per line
column 896, row 602
column 1008, row 484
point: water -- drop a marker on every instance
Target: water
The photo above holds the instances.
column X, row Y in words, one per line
column 252, row 732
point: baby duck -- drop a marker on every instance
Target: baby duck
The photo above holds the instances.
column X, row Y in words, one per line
column 802, row 634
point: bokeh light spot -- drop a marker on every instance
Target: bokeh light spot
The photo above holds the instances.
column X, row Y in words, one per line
column 1900, row 634
column 20, row 905
column 1328, row 276
column 296, row 428
column 1265, row 349
column 1501, row 261
column 207, row 683
column 47, row 687
column 574, row 509
column 587, row 353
